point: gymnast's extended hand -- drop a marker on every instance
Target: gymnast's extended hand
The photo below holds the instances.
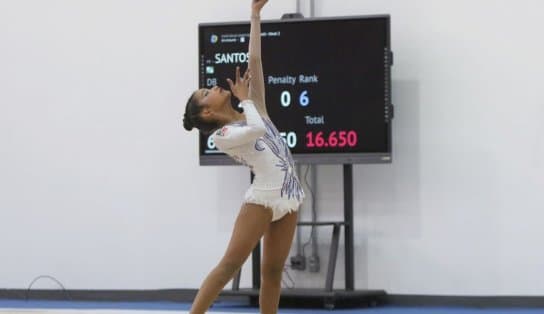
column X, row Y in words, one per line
column 256, row 6
column 240, row 88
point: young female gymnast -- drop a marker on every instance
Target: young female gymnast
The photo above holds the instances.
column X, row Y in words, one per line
column 271, row 203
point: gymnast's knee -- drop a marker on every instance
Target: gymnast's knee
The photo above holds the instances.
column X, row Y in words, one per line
column 271, row 273
column 227, row 269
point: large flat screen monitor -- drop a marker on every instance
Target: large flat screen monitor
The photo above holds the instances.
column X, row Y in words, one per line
column 327, row 80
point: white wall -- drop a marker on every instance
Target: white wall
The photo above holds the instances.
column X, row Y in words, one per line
column 101, row 188
column 100, row 185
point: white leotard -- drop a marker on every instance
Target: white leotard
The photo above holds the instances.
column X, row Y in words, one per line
column 257, row 144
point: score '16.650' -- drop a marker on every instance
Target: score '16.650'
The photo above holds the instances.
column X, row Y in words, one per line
column 334, row 139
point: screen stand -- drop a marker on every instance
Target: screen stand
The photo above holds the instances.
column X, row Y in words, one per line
column 327, row 297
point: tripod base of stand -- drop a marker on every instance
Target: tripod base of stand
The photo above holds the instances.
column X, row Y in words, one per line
column 313, row 298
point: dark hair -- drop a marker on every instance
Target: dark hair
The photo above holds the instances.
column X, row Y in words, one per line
column 192, row 118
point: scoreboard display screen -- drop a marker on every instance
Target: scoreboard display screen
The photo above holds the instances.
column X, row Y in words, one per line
column 327, row 81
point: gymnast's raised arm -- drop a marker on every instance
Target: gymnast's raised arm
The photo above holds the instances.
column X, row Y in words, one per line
column 256, row 84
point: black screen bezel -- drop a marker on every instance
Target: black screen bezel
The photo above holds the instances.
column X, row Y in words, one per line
column 318, row 158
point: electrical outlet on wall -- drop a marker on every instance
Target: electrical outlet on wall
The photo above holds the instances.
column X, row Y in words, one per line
column 313, row 263
column 298, row 262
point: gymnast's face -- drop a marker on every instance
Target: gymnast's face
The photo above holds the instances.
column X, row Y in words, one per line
column 213, row 100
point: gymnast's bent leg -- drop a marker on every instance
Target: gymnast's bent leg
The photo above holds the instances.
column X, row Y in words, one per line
column 252, row 222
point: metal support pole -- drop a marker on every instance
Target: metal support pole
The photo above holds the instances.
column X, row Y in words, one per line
column 348, row 216
column 315, row 247
column 299, row 234
column 332, row 257
column 256, row 264
column 236, row 281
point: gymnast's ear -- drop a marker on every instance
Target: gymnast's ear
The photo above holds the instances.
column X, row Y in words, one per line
column 206, row 113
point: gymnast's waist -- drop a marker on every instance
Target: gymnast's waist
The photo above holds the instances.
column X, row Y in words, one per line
column 268, row 181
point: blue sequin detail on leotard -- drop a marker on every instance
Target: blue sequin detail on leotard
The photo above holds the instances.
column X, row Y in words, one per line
column 291, row 186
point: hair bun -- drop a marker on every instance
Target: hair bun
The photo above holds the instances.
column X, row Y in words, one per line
column 187, row 123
